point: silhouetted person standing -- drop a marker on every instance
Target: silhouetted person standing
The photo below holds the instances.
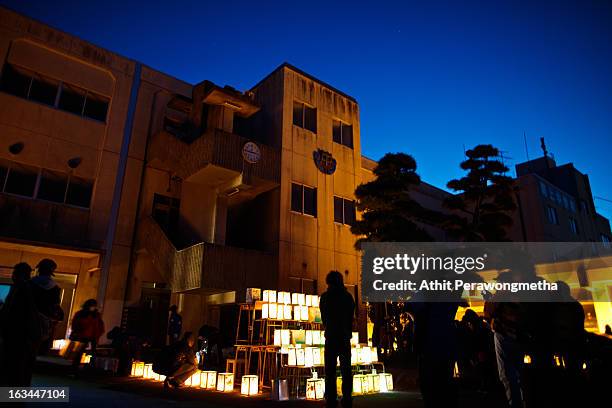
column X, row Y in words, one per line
column 175, row 325
column 19, row 329
column 47, row 297
column 337, row 311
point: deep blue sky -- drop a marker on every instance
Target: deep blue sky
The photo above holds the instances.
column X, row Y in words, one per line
column 430, row 78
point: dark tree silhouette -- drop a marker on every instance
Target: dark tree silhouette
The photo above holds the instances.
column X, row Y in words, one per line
column 389, row 214
column 485, row 198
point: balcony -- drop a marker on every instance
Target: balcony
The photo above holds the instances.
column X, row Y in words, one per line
column 206, row 267
column 42, row 221
column 214, row 148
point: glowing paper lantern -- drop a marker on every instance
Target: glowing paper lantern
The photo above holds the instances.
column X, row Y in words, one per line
column 286, row 311
column 59, row 344
column 249, row 385
column 292, row 357
column 158, row 377
column 298, row 336
column 354, row 339
column 365, row 355
column 273, row 310
column 386, row 382
column 308, row 357
column 284, row 297
column 315, row 388
column 360, row 384
column 265, row 311
column 314, row 314
column 137, row 369
column 316, row 337
column 300, row 357
column 208, row 379
column 308, row 300
column 269, row 296
column 374, row 354
column 298, row 299
column 316, row 356
column 225, row 382
column 527, row 359
column 85, row 358
column 281, row 337
column 195, row 379
column 354, row 353
column 147, row 372
column 370, row 380
column 375, row 381
column 309, row 337
column 304, row 313
column 315, row 300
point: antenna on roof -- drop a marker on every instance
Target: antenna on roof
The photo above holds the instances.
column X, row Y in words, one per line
column 543, row 146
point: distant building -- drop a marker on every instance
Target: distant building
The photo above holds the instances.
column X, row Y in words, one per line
column 556, row 205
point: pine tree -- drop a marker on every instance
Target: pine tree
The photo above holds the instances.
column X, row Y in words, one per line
column 485, row 201
column 389, row 214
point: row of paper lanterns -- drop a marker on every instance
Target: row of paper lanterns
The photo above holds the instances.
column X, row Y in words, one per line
column 279, row 311
column 298, row 356
column 209, row 380
column 285, row 298
column 362, row 384
column 286, row 337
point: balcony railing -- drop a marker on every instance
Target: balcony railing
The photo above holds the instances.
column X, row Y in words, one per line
column 204, row 265
column 213, row 147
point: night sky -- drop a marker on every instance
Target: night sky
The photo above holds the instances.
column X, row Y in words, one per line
column 430, row 79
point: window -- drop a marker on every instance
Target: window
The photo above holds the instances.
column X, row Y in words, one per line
column 344, row 211
column 606, row 240
column 72, row 99
column 551, row 215
column 21, row 180
column 4, row 166
column 79, row 192
column 166, row 211
column 304, row 116
column 52, row 186
column 23, row 83
column 342, row 133
column 573, row 225
column 16, row 81
column 303, row 199
column 96, row 107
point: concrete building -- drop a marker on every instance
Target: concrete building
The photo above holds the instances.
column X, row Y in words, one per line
column 149, row 191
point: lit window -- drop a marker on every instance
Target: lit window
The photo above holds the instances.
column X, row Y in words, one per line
column 342, row 133
column 344, row 211
column 305, row 116
column 303, row 199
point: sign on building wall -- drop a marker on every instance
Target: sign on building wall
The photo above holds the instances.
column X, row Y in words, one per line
column 324, row 161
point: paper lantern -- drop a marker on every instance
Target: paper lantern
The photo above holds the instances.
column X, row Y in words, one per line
column 375, row 381
column 354, row 339
column 527, row 359
column 315, row 300
column 147, row 372
column 300, row 356
column 316, row 337
column 225, row 382
column 374, row 354
column 315, row 388
column 249, row 385
column 195, row 379
column 304, row 313
column 158, row 377
column 286, row 312
column 370, row 381
column 265, row 311
column 314, row 314
column 85, row 358
column 339, row 386
column 354, row 353
column 316, row 356
column 309, row 337
column 308, row 357
column 137, row 369
column 359, row 381
column 298, row 336
column 456, row 373
column 308, row 300
column 386, row 382
column 269, row 296
column 284, row 298
column 253, row 295
column 365, row 355
column 208, row 379
column 59, row 344
column 292, row 357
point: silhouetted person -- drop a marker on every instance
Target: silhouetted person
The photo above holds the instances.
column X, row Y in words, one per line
column 87, row 327
column 47, row 297
column 177, row 361
column 175, row 325
column 121, row 348
column 337, row 311
column 508, row 320
column 608, row 330
column 20, row 330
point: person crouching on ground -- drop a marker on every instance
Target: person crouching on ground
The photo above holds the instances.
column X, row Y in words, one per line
column 177, row 361
column 87, row 327
column 337, row 311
